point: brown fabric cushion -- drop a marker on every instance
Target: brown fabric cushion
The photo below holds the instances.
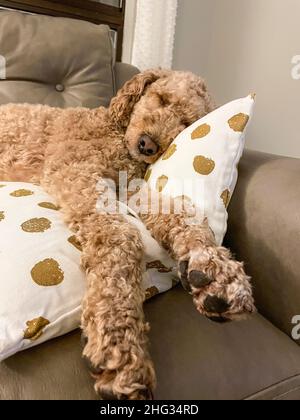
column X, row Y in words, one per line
column 76, row 71
column 264, row 231
column 194, row 359
column 198, row 359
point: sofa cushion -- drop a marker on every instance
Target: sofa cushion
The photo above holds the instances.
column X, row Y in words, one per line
column 264, row 231
column 198, row 359
column 76, row 71
column 194, row 359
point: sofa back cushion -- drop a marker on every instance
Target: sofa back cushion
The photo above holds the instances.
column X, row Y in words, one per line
column 54, row 61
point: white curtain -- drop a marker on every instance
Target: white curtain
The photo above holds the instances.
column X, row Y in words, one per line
column 154, row 33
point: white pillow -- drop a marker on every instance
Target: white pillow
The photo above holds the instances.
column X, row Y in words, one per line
column 201, row 163
column 41, row 284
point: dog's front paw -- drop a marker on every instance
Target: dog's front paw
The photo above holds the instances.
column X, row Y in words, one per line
column 123, row 375
column 221, row 290
column 114, row 385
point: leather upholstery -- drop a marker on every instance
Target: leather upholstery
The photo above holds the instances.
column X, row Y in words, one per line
column 264, row 231
column 55, row 61
column 198, row 359
column 194, row 358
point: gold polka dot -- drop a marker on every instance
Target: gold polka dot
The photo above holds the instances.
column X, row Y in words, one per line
column 170, row 152
column 148, row 174
column 203, row 165
column 253, row 96
column 161, row 183
column 201, row 131
column 21, row 193
column 2, row 186
column 150, row 292
column 159, row 266
column 36, row 225
column 2, row 215
column 35, row 328
column 238, row 122
column 49, row 206
column 226, row 197
column 47, row 273
column 74, row 241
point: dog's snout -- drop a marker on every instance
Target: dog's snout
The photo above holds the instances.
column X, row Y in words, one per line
column 147, row 146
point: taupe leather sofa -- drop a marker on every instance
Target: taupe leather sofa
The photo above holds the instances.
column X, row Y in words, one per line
column 68, row 63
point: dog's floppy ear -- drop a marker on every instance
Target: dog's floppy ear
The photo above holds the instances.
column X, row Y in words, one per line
column 122, row 105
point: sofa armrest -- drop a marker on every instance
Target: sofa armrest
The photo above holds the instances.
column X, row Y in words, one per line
column 264, row 231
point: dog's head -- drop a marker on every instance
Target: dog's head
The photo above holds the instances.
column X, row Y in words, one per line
column 155, row 106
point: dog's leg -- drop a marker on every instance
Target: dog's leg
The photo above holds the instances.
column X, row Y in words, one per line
column 221, row 290
column 113, row 321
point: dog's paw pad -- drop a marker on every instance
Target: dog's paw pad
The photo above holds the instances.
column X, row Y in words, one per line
column 198, row 279
column 106, row 395
column 217, row 305
column 146, row 394
column 195, row 278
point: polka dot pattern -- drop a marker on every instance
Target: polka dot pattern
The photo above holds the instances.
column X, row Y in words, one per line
column 21, row 193
column 148, row 175
column 226, row 197
column 161, row 183
column 74, row 241
column 44, row 269
column 170, row 152
column 202, row 163
column 47, row 205
column 47, row 273
column 159, row 266
column 35, row 328
column 238, row 122
column 200, row 132
column 36, row 225
column 151, row 292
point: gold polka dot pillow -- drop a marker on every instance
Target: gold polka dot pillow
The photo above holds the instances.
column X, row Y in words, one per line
column 41, row 283
column 201, row 164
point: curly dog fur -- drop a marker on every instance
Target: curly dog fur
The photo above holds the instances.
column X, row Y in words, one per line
column 67, row 152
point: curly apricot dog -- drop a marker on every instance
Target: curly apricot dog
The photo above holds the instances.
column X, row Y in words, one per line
column 67, row 152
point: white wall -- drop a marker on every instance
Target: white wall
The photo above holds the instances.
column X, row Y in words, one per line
column 193, row 34
column 130, row 15
column 243, row 46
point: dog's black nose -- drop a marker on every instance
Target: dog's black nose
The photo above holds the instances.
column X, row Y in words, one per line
column 147, row 146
